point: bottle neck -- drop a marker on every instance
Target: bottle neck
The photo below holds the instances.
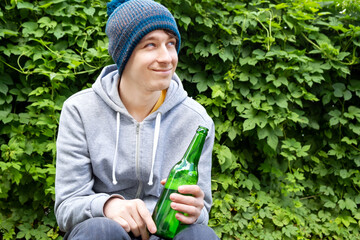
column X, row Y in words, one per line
column 193, row 153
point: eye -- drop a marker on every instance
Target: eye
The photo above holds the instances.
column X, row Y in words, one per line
column 172, row 43
column 147, row 45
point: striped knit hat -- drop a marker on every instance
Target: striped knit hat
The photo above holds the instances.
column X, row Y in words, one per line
column 129, row 21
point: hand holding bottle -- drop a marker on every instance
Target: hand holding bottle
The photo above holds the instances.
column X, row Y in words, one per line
column 191, row 204
column 182, row 179
column 132, row 215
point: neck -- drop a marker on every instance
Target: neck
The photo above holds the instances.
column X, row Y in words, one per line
column 138, row 103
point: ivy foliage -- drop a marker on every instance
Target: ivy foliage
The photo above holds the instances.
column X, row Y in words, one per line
column 50, row 49
column 279, row 78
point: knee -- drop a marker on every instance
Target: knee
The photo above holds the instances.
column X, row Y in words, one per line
column 197, row 231
column 98, row 228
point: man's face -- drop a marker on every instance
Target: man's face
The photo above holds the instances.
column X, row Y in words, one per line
column 152, row 63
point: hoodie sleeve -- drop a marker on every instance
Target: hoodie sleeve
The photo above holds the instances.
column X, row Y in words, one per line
column 204, row 181
column 75, row 200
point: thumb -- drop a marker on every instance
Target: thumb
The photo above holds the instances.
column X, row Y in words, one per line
column 163, row 181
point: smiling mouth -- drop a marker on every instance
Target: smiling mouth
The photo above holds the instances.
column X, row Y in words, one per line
column 165, row 72
column 162, row 70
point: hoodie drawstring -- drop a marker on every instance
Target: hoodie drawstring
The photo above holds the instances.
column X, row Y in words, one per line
column 156, row 140
column 116, row 147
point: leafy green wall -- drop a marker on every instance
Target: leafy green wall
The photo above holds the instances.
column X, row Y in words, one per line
column 281, row 80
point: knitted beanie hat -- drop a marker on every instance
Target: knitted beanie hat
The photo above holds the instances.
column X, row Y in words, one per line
column 129, row 21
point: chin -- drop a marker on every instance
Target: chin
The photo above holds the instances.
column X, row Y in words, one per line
column 164, row 84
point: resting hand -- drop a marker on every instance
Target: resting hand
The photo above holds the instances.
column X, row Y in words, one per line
column 132, row 215
column 190, row 205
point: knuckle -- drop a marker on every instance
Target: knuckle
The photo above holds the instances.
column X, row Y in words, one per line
column 122, row 211
column 125, row 226
column 139, row 202
column 127, row 208
column 191, row 210
column 141, row 224
column 195, row 211
column 134, row 228
column 189, row 220
column 202, row 193
column 196, row 203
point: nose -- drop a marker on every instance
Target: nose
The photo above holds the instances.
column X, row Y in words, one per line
column 164, row 54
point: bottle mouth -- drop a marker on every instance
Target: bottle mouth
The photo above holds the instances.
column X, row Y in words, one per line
column 202, row 129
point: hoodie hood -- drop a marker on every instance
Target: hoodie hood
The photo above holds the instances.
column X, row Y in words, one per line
column 106, row 87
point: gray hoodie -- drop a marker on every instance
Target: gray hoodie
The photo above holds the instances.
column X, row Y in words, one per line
column 103, row 151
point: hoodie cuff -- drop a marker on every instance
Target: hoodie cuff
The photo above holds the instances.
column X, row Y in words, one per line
column 97, row 205
column 203, row 218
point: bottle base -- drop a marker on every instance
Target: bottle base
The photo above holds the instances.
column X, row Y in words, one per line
column 167, row 236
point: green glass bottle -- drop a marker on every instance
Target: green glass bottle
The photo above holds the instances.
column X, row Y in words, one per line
column 183, row 173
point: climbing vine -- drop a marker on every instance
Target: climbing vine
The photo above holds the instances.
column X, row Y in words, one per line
column 279, row 78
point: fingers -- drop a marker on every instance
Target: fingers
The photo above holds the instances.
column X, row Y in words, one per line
column 128, row 220
column 146, row 217
column 137, row 225
column 140, row 220
column 187, row 204
column 190, row 219
column 186, row 214
column 194, row 190
column 124, row 224
column 191, row 204
column 132, row 215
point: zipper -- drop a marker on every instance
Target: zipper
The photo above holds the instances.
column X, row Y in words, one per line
column 138, row 192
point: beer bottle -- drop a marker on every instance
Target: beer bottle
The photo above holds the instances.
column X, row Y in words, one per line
column 183, row 173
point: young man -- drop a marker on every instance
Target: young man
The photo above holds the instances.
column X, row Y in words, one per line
column 118, row 140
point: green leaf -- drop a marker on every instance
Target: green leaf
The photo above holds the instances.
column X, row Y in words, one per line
column 282, row 101
column 350, row 204
column 327, row 190
column 226, row 54
column 281, row 6
column 186, row 20
column 280, row 81
column 59, row 32
column 248, row 60
column 4, row 88
column 26, row 5
column 218, row 91
column 339, row 89
column 89, row 11
column 232, row 133
column 244, row 77
column 225, row 157
column 353, row 112
column 336, row 118
column 346, row 220
column 355, row 128
column 202, row 86
column 29, row 26
column 271, row 135
column 290, row 231
column 46, row 22
column 330, row 204
column 214, row 48
column 249, row 124
column 200, row 48
column 349, row 141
